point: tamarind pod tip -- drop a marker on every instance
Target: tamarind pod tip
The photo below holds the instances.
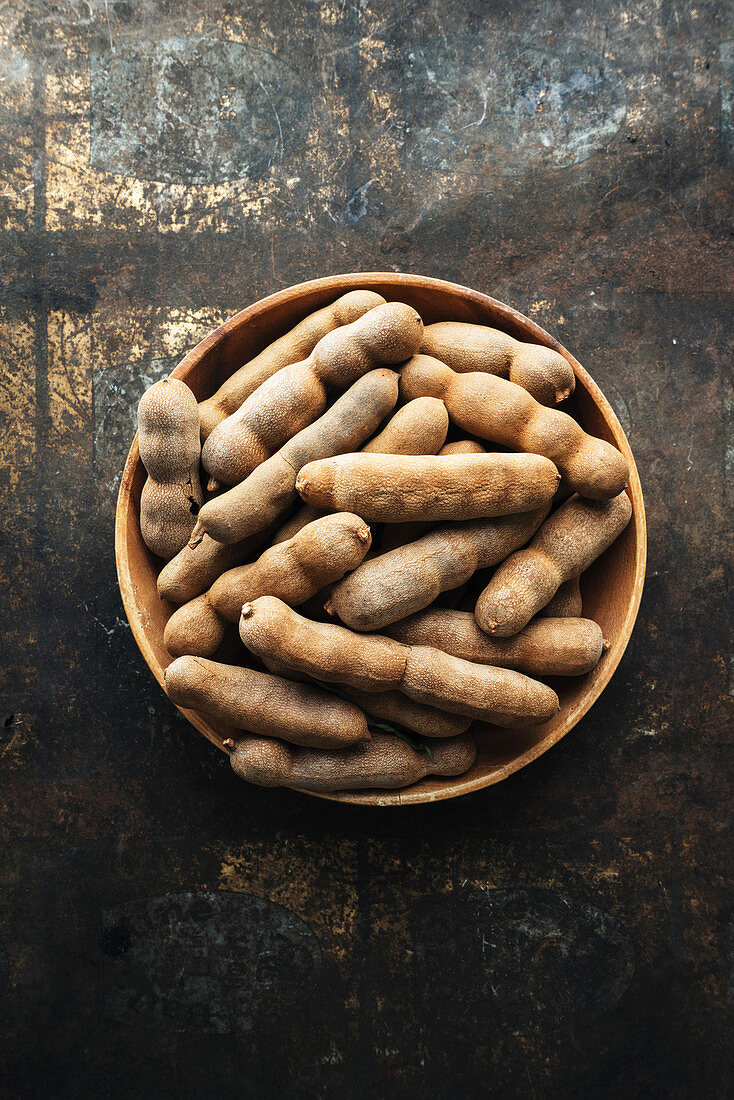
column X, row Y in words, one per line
column 197, row 534
column 247, row 610
column 363, row 533
column 212, row 485
column 605, row 645
column 329, row 608
column 228, row 744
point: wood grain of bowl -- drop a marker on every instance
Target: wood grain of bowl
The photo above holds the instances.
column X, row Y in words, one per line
column 611, row 588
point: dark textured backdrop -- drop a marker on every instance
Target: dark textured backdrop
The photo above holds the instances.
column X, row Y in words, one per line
column 169, row 931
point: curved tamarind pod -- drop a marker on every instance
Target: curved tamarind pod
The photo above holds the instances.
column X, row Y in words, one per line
column 168, row 438
column 478, row 691
column 384, row 762
column 265, row 704
column 372, row 663
column 195, row 568
column 567, row 602
column 404, row 488
column 320, row 553
column 296, row 395
column 290, row 348
column 544, row 373
column 418, row 428
column 546, row 647
column 262, row 497
column 399, row 710
column 272, row 630
column 411, row 577
column 568, row 542
column 496, row 409
column 397, row 534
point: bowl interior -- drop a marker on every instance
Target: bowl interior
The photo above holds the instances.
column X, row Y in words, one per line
column 611, row 588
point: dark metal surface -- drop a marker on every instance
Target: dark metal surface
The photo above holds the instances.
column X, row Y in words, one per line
column 170, row 931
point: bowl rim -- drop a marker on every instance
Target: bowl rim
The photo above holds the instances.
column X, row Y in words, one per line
column 453, row 787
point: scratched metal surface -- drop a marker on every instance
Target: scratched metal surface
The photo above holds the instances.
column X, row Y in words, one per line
column 166, row 930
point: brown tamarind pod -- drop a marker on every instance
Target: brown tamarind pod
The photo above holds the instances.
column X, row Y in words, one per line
column 568, row 542
column 271, row 629
column 168, row 438
column 546, row 647
column 503, row 412
column 418, row 428
column 405, row 488
column 319, row 554
column 384, row 762
column 265, row 704
column 289, row 348
column 544, row 373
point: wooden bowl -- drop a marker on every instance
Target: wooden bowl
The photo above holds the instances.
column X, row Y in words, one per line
column 611, row 588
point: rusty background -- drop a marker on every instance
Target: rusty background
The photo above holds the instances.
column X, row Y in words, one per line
column 169, row 931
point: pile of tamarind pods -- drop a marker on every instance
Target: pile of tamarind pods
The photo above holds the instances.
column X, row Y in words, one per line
column 389, row 587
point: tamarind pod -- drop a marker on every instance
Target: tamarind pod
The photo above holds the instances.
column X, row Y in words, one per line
column 503, row 412
column 320, row 553
column 262, row 497
column 264, row 704
column 270, row 629
column 195, row 568
column 546, row 647
column 294, row 397
column 372, row 663
column 399, row 710
column 383, row 762
column 397, row 534
column 567, row 602
column 284, row 404
column 568, row 542
column 544, row 373
column 418, row 428
column 409, row 578
column 290, row 348
column 168, row 439
column 401, row 488
column 498, row 695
